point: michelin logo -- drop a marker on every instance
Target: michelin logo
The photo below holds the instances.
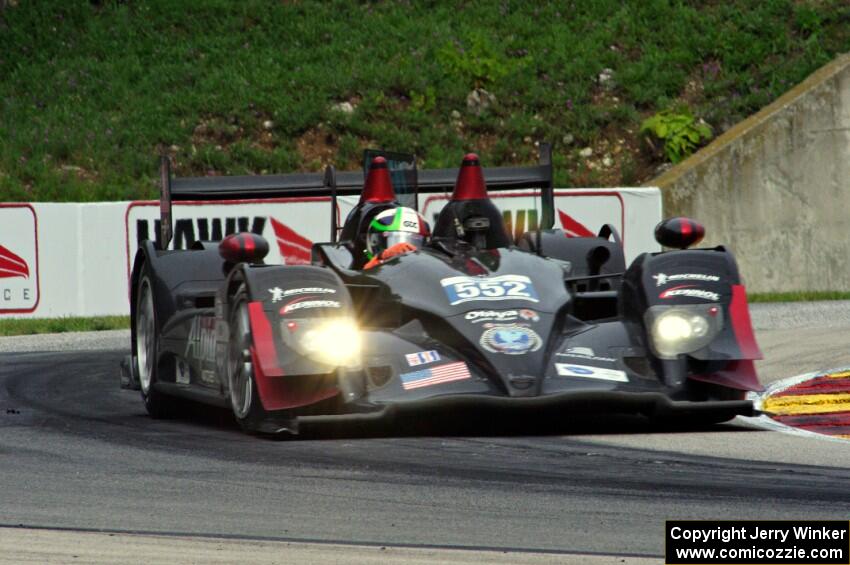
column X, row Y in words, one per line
column 661, row 279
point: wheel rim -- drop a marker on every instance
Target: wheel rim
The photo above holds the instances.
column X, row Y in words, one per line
column 240, row 367
column 145, row 335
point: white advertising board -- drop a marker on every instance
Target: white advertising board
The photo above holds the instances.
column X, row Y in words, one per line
column 290, row 225
column 19, row 276
column 75, row 259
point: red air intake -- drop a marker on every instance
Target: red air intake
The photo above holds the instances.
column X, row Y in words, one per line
column 243, row 247
column 470, row 180
column 679, row 233
column 378, row 186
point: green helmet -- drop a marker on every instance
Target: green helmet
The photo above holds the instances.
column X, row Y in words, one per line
column 394, row 226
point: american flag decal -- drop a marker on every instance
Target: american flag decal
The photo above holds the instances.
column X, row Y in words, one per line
column 435, row 375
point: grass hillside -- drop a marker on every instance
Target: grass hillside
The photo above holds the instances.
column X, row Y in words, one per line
column 91, row 92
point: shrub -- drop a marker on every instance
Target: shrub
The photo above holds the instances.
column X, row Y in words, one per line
column 679, row 130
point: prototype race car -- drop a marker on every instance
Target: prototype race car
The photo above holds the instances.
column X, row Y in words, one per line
column 472, row 319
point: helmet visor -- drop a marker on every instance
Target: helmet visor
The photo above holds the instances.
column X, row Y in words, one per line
column 394, row 237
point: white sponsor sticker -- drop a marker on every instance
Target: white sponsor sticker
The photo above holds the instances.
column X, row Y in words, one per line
column 279, row 294
column 476, row 316
column 584, row 371
column 690, row 292
column 306, row 304
column 584, row 353
column 422, row 358
column 661, row 279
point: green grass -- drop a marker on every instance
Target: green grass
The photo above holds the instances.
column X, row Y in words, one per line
column 90, row 94
column 60, row 325
column 800, row 296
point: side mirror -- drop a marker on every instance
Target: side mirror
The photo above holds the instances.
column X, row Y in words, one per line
column 679, row 233
column 243, row 247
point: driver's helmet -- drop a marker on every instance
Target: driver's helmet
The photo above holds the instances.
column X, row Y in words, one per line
column 396, row 225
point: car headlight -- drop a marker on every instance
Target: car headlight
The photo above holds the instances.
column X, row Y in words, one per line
column 682, row 329
column 333, row 341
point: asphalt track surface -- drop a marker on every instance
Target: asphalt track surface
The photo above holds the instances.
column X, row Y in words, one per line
column 79, row 456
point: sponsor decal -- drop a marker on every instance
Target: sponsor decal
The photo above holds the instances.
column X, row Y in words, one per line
column 690, row 292
column 19, row 280
column 481, row 289
column 435, row 375
column 567, row 370
column 476, row 316
column 511, row 340
column 422, row 358
column 208, row 377
column 201, row 342
column 529, row 315
column 584, row 353
column 661, row 279
column 501, row 324
column 279, row 294
column 303, row 304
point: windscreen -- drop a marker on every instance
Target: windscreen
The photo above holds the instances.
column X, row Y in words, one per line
column 402, row 167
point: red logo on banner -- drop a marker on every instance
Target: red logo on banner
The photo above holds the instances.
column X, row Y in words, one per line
column 12, row 266
column 573, row 227
column 294, row 247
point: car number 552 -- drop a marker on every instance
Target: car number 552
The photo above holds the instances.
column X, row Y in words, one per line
column 505, row 287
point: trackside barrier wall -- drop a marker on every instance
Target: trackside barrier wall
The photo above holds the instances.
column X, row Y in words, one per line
column 75, row 259
column 775, row 188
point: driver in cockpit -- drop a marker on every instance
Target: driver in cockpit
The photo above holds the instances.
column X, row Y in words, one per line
column 394, row 232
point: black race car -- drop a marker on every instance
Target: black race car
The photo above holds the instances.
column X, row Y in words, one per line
column 472, row 321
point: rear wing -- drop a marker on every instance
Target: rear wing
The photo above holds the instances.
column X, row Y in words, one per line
column 332, row 184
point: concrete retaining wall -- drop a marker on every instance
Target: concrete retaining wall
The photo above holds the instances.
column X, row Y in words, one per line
column 776, row 188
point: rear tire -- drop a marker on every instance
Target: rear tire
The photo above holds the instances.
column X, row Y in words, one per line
column 146, row 334
column 244, row 398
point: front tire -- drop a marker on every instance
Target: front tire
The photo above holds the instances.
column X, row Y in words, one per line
column 244, row 398
column 146, row 334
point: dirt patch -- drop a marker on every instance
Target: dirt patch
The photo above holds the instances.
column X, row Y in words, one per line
column 79, row 172
column 486, row 143
column 317, row 148
column 219, row 132
column 618, row 157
